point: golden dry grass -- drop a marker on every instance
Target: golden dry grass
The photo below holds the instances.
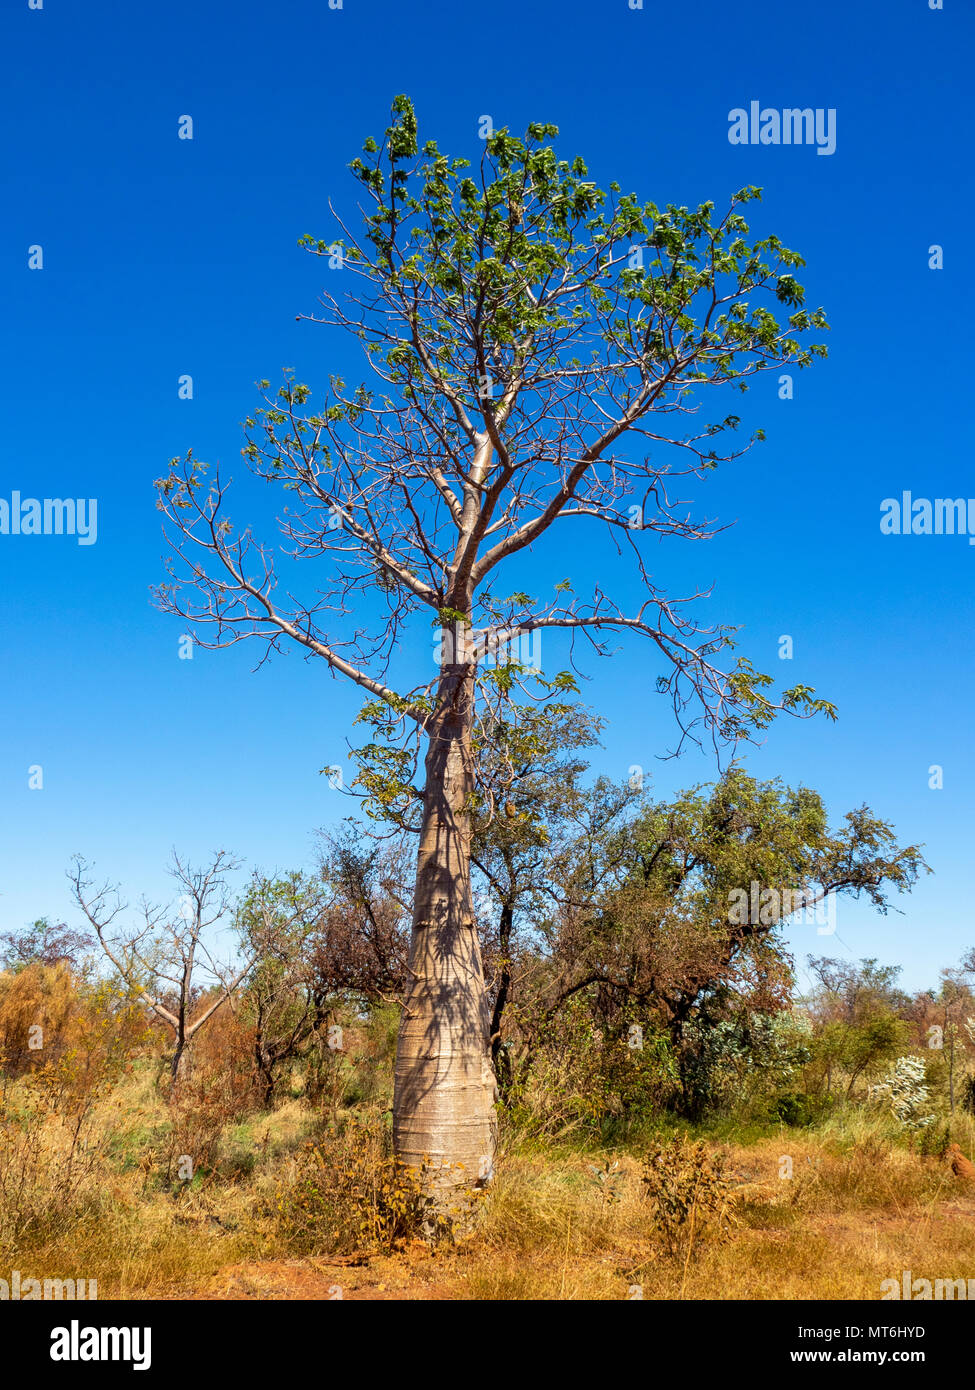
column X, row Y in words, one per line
column 852, row 1206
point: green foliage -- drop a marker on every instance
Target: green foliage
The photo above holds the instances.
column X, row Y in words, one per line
column 590, row 1079
column 665, row 932
column 608, row 1178
column 282, row 1002
column 797, row 1108
column 858, row 1048
column 531, row 218
column 932, row 1140
column 733, row 1061
column 968, row 1093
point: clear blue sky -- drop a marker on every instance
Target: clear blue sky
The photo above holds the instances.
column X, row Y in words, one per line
column 164, row 256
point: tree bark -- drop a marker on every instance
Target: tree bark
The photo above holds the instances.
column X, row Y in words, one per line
column 177, row 1057
column 264, row 1066
column 444, row 1124
column 499, row 1055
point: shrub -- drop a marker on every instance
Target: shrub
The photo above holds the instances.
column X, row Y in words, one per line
column 202, row 1103
column 49, row 1149
column 735, row 1064
column 796, row 1108
column 689, row 1190
column 905, row 1092
column 583, row 1077
column 968, row 1093
column 350, row 1194
column 36, row 1006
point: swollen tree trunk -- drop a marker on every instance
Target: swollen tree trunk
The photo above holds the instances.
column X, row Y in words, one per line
column 443, row 1110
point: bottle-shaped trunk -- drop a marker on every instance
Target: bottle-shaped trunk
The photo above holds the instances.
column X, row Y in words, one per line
column 443, row 1113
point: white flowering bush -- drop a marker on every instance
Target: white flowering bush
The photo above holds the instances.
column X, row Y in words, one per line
column 906, row 1093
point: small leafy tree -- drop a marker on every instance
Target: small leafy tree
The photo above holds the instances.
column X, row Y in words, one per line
column 859, row 1023
column 649, row 909
column 284, row 1003
column 43, row 943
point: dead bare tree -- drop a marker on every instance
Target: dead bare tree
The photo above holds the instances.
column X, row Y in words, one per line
column 164, row 958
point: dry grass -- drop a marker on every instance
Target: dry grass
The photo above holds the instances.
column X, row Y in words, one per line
column 860, row 1216
column 859, row 1207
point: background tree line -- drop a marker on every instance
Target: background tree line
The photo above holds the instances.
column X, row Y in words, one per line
column 622, row 981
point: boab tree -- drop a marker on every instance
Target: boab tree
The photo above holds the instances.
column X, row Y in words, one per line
column 528, row 338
